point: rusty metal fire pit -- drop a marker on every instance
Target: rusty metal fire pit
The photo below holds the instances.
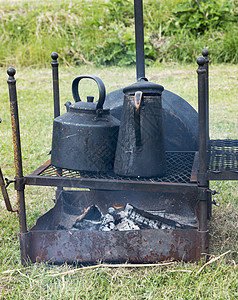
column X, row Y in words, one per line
column 177, row 204
column 176, row 194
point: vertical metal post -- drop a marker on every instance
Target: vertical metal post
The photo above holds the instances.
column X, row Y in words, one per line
column 139, row 36
column 19, row 184
column 55, row 75
column 202, row 121
column 202, row 169
column 205, row 54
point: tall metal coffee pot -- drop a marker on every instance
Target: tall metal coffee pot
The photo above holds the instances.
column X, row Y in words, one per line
column 140, row 146
column 85, row 137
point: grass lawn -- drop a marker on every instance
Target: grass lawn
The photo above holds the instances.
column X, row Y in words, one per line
column 175, row 281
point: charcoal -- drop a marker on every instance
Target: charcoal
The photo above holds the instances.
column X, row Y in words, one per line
column 131, row 218
column 89, row 220
column 87, row 225
column 145, row 219
column 92, row 213
column 126, row 224
column 108, row 223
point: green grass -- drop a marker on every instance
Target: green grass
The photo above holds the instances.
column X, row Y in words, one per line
column 217, row 282
column 178, row 281
column 85, row 35
column 102, row 32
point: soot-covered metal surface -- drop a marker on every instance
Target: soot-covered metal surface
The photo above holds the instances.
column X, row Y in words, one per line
column 168, row 208
column 178, row 165
column 46, row 241
column 140, row 246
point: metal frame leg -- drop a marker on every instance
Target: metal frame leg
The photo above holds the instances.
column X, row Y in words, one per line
column 205, row 54
column 203, row 184
column 19, row 179
column 56, row 98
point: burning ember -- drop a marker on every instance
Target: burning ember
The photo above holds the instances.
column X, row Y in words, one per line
column 130, row 218
column 117, row 207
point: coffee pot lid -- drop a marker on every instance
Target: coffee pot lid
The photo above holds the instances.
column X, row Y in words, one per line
column 144, row 86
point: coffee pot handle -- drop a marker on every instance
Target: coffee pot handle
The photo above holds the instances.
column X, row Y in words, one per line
column 101, row 88
column 137, row 101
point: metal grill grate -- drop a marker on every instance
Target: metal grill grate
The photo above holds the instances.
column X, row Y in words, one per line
column 223, row 155
column 179, row 168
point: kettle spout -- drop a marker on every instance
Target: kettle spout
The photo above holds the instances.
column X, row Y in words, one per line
column 67, row 104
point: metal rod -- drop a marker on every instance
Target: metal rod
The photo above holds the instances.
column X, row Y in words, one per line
column 5, row 194
column 139, row 36
column 205, row 54
column 55, row 75
column 17, row 150
column 119, row 185
column 202, row 120
column 202, row 169
column 4, row 191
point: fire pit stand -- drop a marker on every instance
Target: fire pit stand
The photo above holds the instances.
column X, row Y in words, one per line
column 134, row 246
column 182, row 193
column 186, row 184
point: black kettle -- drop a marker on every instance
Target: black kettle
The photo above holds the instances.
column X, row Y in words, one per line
column 140, row 146
column 85, row 137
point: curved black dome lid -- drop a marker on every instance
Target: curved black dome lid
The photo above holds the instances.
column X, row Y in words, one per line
column 145, row 86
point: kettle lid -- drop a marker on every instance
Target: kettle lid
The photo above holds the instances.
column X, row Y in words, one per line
column 87, row 107
column 145, row 86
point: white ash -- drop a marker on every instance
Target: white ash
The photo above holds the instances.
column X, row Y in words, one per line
column 126, row 224
column 117, row 221
column 142, row 221
column 111, row 211
column 107, row 223
column 131, row 218
column 160, row 213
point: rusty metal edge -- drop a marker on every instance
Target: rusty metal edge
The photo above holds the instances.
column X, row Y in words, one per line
column 108, row 184
column 35, row 179
column 129, row 246
column 40, row 169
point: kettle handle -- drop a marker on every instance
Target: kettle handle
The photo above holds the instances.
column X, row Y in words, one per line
column 101, row 88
